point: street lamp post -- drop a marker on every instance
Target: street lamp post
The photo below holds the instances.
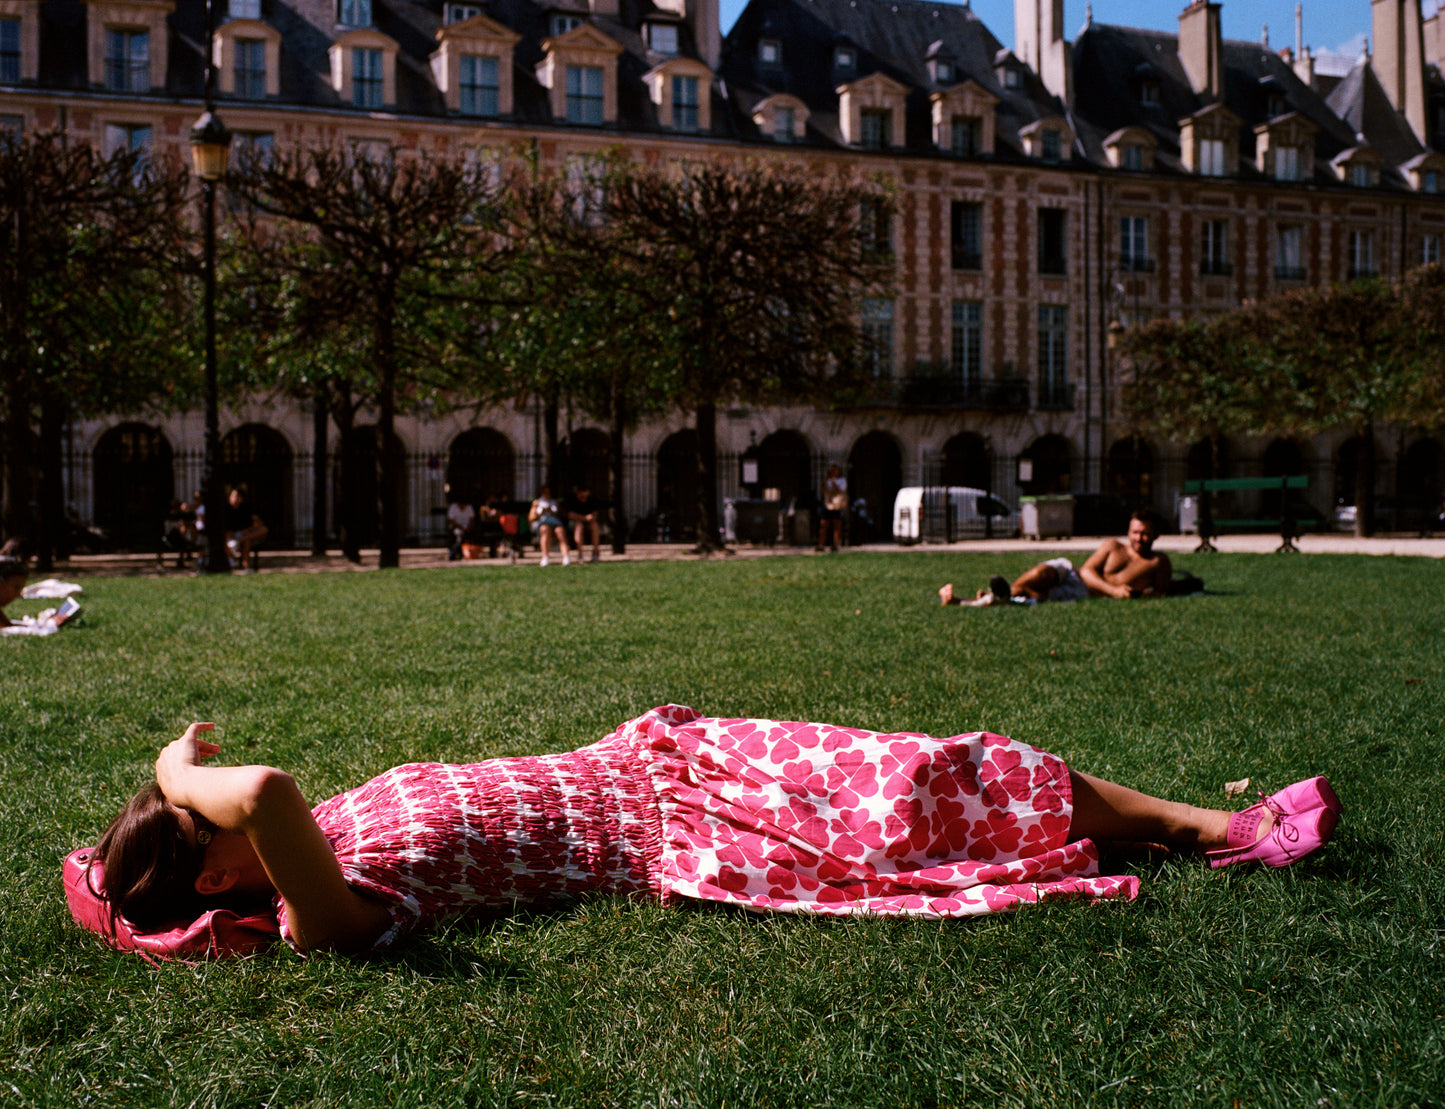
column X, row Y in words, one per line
column 210, row 146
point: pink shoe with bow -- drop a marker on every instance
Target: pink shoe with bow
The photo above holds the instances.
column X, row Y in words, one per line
column 1312, row 793
column 1292, row 837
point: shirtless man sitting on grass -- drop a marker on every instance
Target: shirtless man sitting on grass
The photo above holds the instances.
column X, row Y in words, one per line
column 1118, row 568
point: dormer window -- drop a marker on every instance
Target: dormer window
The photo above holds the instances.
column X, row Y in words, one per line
column 770, row 51
column 1048, row 140
column 579, row 71
column 363, row 68
column 943, row 73
column 1430, row 181
column 967, row 136
column 479, row 83
column 1011, row 77
column 1049, row 148
column 1359, row 166
column 353, row 13
column 1360, row 176
column 561, row 24
column 244, row 9
column 662, row 38
column 1149, row 92
column 844, row 58
column 1131, row 156
column 876, row 128
column 1277, row 105
column 785, row 123
column 1212, row 158
column 472, row 65
column 460, row 13
column 782, row 118
column 1287, row 163
column 1131, row 148
column 247, row 57
column 584, row 94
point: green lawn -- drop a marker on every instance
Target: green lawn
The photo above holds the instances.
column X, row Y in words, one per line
column 1322, row 985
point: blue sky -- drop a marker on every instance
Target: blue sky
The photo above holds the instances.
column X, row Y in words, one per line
column 1329, row 25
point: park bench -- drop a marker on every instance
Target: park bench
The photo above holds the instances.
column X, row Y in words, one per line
column 1287, row 521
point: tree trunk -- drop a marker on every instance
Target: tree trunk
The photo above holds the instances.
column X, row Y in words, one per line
column 319, row 456
column 1365, row 482
column 391, row 467
column 52, row 490
column 346, row 525
column 619, row 475
column 707, row 530
column 18, row 493
column 551, row 456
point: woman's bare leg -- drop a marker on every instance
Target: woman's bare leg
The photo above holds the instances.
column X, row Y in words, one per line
column 1105, row 811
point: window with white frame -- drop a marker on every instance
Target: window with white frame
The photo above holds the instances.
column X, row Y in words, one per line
column 244, row 9
column 258, row 144
column 1287, row 163
column 250, row 68
column 1054, row 389
column 126, row 136
column 460, row 13
column 876, row 125
column 685, row 115
column 876, row 228
column 662, row 37
column 1131, row 156
column 1211, row 157
column 1429, row 249
column 878, row 337
column 1134, row 244
column 967, row 346
column 1050, row 145
column 1362, row 254
column 9, row 51
column 785, row 123
column 967, row 136
column 561, row 24
column 353, row 13
column 478, row 84
column 944, row 71
column 1214, row 257
column 770, row 51
column 127, row 60
column 366, row 77
column 1290, row 265
column 1360, row 175
column 584, row 94
column 1012, row 79
column 966, row 234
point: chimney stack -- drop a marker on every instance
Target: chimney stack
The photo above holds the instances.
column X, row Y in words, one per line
column 1399, row 58
column 1201, row 47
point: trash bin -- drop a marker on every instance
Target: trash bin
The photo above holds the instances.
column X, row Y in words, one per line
column 758, row 521
column 1188, row 515
column 1047, row 517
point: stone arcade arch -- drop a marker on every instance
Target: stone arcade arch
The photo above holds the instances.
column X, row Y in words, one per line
column 259, row 460
column 134, row 484
column 677, row 487
column 1051, row 462
column 587, row 454
column 967, row 461
column 1131, row 470
column 361, row 505
column 786, row 464
column 480, row 464
column 875, row 474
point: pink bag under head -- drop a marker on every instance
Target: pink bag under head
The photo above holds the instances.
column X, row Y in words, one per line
column 216, row 933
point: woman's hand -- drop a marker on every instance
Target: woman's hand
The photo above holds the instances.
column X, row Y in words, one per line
column 180, row 754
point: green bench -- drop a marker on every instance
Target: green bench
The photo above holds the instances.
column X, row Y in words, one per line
column 1287, row 523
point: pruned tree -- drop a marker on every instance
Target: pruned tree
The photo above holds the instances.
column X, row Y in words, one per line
column 384, row 255
column 573, row 324
column 93, row 292
column 754, row 273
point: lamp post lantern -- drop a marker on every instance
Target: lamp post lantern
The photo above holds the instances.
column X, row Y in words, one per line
column 210, row 147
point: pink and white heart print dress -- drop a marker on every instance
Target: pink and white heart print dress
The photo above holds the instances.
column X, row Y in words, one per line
column 784, row 817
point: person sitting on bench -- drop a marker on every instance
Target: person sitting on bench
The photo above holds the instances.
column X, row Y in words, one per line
column 1121, row 568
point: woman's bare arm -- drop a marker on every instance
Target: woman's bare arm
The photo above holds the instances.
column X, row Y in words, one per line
column 264, row 804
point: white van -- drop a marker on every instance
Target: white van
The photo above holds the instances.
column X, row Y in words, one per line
column 936, row 514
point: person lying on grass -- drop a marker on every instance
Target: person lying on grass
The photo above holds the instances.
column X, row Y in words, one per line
column 770, row 816
column 1122, row 569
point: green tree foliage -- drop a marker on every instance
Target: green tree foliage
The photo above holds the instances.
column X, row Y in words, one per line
column 1348, row 356
column 573, row 325
column 383, row 258
column 757, row 270
column 93, row 294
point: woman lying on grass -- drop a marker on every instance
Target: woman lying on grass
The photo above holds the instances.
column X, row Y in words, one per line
column 760, row 814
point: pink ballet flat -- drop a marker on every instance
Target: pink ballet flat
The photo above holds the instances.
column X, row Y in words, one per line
column 1312, row 793
column 1293, row 837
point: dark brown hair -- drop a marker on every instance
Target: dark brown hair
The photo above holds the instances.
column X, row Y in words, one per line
column 149, row 867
